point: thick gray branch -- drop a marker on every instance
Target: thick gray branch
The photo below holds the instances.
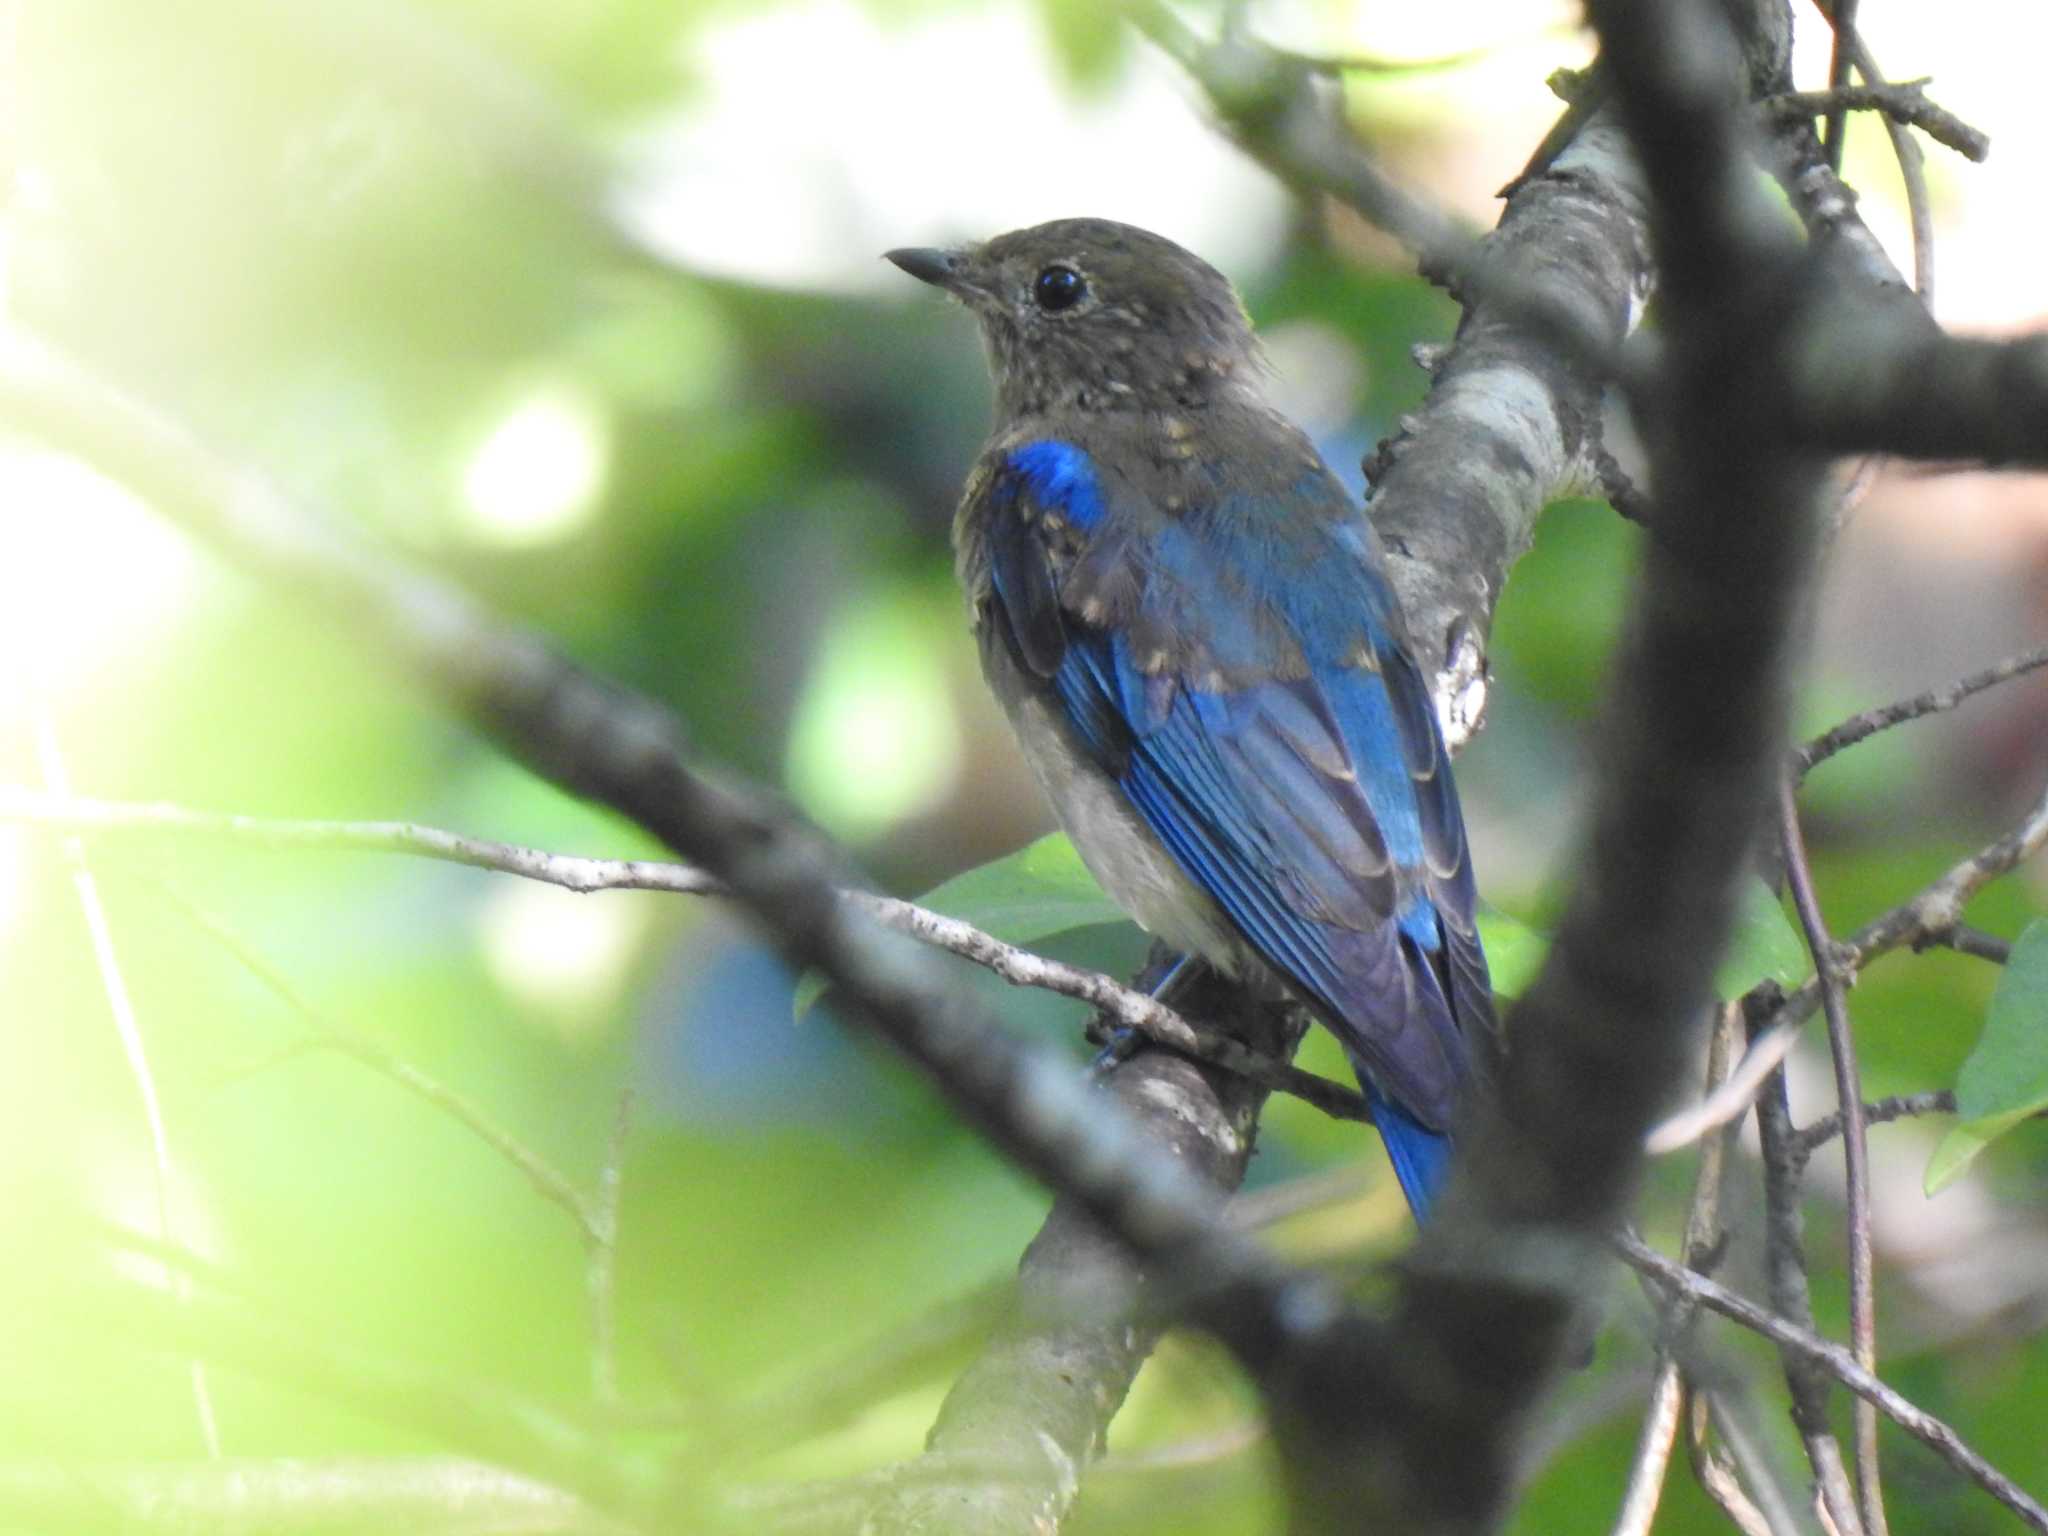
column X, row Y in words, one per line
column 1043, row 1392
column 1692, row 737
column 1512, row 421
column 1913, row 390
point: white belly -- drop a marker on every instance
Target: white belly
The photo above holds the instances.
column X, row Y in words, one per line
column 1118, row 848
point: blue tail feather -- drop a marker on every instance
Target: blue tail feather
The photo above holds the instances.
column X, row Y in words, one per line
column 1421, row 1157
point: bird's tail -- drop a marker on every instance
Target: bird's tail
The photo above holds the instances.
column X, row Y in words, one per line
column 1421, row 1157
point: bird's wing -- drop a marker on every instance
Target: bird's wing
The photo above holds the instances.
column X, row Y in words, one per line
column 1235, row 669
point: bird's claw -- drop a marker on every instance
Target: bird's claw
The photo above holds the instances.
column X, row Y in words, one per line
column 1120, row 1045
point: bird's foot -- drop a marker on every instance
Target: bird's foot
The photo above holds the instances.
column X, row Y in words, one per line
column 1120, row 1042
column 1119, row 1045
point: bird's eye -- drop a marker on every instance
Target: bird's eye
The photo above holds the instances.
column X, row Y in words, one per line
column 1058, row 288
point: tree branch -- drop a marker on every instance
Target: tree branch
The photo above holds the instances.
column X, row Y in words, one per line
column 1855, row 1143
column 1929, row 917
column 134, row 1049
column 296, row 1498
column 1791, row 1295
column 1126, row 1006
column 1809, row 1139
column 1513, row 414
column 1485, row 1306
column 1851, row 49
column 1045, row 1388
column 1270, row 104
column 1858, row 388
column 1429, row 1431
column 1842, row 1366
column 1933, row 702
column 600, row 741
column 1672, row 1393
column 1903, row 101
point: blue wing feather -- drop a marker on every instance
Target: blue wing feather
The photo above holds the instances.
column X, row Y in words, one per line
column 1235, row 670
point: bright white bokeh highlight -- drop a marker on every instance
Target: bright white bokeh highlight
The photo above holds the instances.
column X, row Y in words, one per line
column 1987, row 237
column 559, row 952
column 875, row 737
column 538, row 473
column 825, row 136
column 15, row 875
column 92, row 577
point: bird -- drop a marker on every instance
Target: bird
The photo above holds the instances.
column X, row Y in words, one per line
column 1189, row 626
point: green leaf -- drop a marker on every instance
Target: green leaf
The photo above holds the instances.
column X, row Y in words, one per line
column 1043, row 888
column 1088, row 39
column 2005, row 1078
column 1514, row 950
column 1954, row 1153
column 1764, row 946
column 1022, row 898
column 809, row 988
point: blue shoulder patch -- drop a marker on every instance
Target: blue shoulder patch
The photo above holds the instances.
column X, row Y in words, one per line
column 1063, row 480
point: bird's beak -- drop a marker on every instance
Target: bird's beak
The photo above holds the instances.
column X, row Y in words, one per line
column 928, row 265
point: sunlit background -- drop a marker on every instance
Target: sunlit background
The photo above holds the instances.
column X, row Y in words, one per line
column 581, row 305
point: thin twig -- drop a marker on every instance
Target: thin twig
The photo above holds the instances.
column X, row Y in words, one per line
column 1792, row 1297
column 1939, row 906
column 128, row 1030
column 1274, row 106
column 1855, row 1143
column 784, row 1412
column 1903, row 101
column 1020, row 967
column 1150, row 1017
column 1844, row 20
column 1809, row 1138
column 1645, row 1486
column 1735, row 1474
column 602, row 1267
column 1730, row 1101
column 1269, row 107
column 583, row 875
column 1200, row 1451
column 1841, row 1365
column 1850, row 48
column 1586, row 93
column 1933, row 702
column 297, row 1497
column 1929, row 917
column 1378, row 64
column 1280, row 1202
column 1702, row 1232
column 1974, row 942
column 332, row 1035
column 260, row 1334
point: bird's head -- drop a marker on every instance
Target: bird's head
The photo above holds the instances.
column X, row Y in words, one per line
column 1093, row 315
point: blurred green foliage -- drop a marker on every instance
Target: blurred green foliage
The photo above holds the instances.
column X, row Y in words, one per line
column 2005, row 1080
column 351, row 244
